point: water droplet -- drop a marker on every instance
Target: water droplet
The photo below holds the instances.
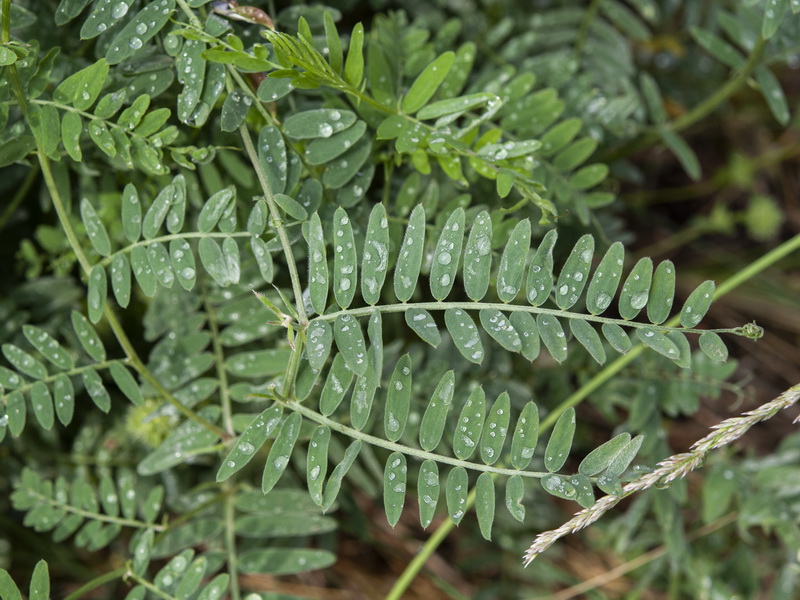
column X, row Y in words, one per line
column 119, row 10
column 325, row 130
column 135, row 43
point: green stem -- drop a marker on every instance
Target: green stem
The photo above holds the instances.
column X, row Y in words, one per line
column 312, row 415
column 469, row 305
column 96, row 516
column 699, row 112
column 146, row 584
column 277, row 223
column 97, row 582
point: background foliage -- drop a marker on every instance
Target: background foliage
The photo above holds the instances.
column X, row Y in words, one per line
column 434, row 202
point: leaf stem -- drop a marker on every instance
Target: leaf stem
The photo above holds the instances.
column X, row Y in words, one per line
column 219, row 363
column 312, row 415
column 470, row 305
column 146, row 584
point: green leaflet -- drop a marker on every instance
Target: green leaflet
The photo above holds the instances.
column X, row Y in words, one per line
column 435, row 416
column 454, row 106
column 636, row 290
column 218, row 206
column 96, row 293
column 499, row 327
column 574, row 274
column 337, row 476
column 617, row 337
column 375, row 262
column 158, row 257
column 121, row 279
column 16, row 411
column 319, row 123
column 336, row 385
column 424, row 326
column 559, row 136
column 140, row 266
column 64, row 398
column 350, row 341
column 552, row 335
column 697, row 304
column 250, row 442
column 527, row 330
column 332, row 42
column 320, row 339
column 540, row 275
column 446, row 255
column 682, row 344
column 317, row 265
column 42, row 404
column 659, row 342
column 586, row 334
column 624, row 457
column 354, row 64
column 559, row 486
column 345, row 262
column 273, row 158
column 712, row 346
column 317, row 462
column 557, row 451
column 258, row 363
column 323, row 150
column 394, row 487
column 182, row 260
column 282, row 561
column 662, row 293
column 470, row 424
column 584, row 494
column 126, row 382
column 82, row 88
column 131, row 213
column 24, row 362
column 281, row 450
column 96, row 390
column 682, row 151
column 605, row 281
column 456, row 490
column 48, row 347
column 101, row 136
column 512, row 263
column 221, row 263
column 105, row 14
column 478, row 257
column 484, row 504
column 427, row 82
column 139, row 30
column 526, row 435
column 495, row 429
column 465, row 334
column 398, row 399
column 515, row 492
column 362, row 398
column 409, row 258
column 87, row 336
column 575, row 154
column 428, row 491
column 599, row 458
column 71, row 131
column 347, row 166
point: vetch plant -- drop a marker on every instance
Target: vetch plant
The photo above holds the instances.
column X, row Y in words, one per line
column 275, row 273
